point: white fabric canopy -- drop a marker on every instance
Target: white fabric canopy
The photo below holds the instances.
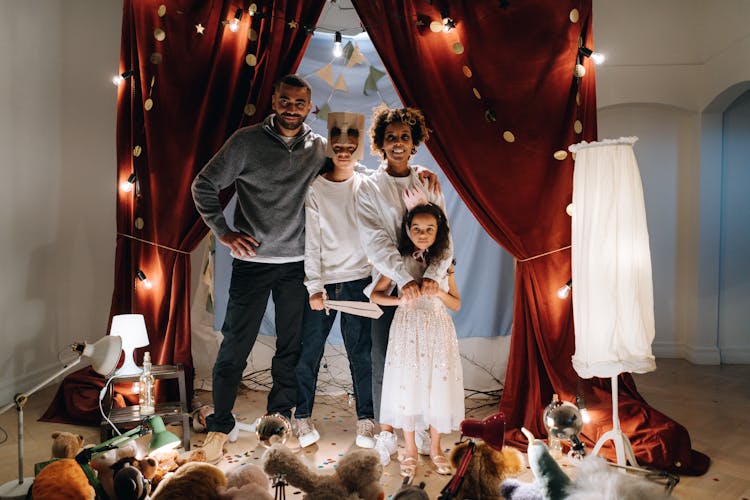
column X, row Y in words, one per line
column 613, row 302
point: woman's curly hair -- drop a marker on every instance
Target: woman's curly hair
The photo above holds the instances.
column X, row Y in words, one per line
column 382, row 116
column 437, row 250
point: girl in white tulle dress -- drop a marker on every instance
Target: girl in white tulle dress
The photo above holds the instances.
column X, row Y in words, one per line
column 423, row 379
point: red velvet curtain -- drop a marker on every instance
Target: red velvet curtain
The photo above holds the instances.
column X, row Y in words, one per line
column 500, row 94
column 193, row 83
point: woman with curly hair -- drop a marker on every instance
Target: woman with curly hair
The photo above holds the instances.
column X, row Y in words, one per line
column 395, row 135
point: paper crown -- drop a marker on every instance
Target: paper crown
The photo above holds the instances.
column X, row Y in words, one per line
column 413, row 198
column 345, row 122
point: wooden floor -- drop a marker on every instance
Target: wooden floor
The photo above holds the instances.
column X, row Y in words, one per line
column 712, row 402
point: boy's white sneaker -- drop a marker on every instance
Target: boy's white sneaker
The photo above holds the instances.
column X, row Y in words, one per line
column 365, row 433
column 306, row 432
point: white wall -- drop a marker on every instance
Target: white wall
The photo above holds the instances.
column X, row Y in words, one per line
column 673, row 67
column 57, row 190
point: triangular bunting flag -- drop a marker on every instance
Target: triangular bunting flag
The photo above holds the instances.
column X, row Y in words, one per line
column 323, row 112
column 341, row 84
column 356, row 57
column 326, row 74
column 348, row 49
column 372, row 80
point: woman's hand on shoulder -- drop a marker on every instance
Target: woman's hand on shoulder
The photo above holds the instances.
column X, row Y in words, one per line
column 433, row 182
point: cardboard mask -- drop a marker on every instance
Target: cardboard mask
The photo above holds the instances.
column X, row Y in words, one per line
column 346, row 122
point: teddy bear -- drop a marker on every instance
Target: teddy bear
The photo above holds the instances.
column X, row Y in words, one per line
column 357, row 475
column 486, row 470
column 246, row 481
column 192, row 480
column 62, row 480
column 66, row 444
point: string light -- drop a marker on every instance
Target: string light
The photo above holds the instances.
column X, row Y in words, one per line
column 127, row 186
column 597, row 57
column 252, row 9
column 118, row 79
column 564, row 290
column 234, row 24
column 337, row 50
column 142, row 277
column 448, row 22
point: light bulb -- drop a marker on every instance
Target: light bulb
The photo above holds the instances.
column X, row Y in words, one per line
column 579, row 70
column 564, row 290
column 598, row 57
column 142, row 277
column 117, row 79
column 337, row 50
column 127, row 186
column 448, row 24
column 585, row 417
column 234, row 24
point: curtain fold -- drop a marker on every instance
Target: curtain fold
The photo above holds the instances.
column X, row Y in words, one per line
column 501, row 97
column 187, row 93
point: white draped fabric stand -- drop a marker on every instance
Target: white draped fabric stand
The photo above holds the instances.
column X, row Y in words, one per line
column 613, row 302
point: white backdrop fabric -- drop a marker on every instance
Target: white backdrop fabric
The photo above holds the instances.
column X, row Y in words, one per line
column 613, row 302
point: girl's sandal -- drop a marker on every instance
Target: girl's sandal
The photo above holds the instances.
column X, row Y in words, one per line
column 442, row 465
column 408, row 466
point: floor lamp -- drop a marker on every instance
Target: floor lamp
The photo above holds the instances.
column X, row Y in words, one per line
column 613, row 302
column 103, row 355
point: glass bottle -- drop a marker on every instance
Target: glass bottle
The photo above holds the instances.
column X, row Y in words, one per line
column 554, row 443
column 146, row 400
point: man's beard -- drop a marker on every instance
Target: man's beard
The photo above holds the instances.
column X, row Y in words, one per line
column 290, row 126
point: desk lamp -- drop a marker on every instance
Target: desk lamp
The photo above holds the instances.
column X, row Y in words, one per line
column 103, row 355
column 132, row 329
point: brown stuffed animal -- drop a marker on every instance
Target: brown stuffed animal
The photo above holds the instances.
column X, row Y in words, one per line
column 356, row 477
column 62, row 480
column 66, row 444
column 192, row 480
column 487, row 469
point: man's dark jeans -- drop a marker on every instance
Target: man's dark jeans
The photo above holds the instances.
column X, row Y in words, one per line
column 252, row 283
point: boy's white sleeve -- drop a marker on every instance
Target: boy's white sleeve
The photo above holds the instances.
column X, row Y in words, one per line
column 436, row 271
column 380, row 248
column 313, row 277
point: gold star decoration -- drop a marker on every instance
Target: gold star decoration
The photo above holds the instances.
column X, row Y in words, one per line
column 293, row 24
column 199, row 28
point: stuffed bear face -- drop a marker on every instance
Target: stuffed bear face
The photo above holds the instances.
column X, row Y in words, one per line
column 66, row 444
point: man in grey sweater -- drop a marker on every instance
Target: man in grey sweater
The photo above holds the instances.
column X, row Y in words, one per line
column 271, row 165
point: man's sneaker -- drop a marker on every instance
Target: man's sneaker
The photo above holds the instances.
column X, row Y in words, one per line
column 306, row 432
column 213, row 446
column 386, row 445
column 365, row 433
column 423, row 440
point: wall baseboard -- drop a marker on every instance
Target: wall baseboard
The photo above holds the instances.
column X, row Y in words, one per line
column 696, row 355
column 735, row 356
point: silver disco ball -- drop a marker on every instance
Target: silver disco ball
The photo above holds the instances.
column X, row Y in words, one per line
column 273, row 429
column 563, row 420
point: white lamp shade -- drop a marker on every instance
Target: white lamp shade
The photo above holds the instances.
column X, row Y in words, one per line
column 131, row 328
column 104, row 354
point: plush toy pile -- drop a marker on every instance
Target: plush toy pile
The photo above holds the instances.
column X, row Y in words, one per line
column 592, row 479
